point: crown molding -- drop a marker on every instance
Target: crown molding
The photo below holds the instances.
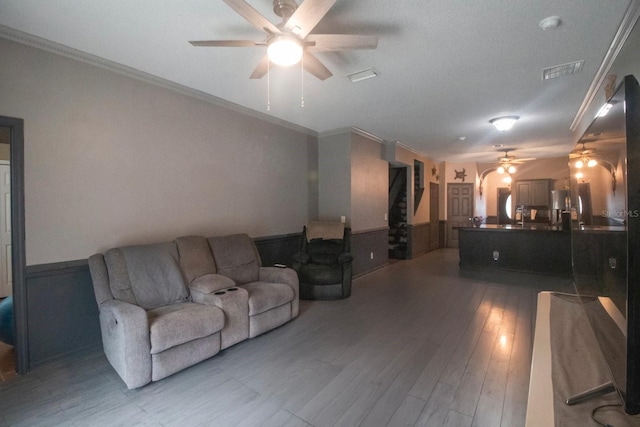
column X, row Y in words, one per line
column 628, row 21
column 352, row 129
column 413, row 150
column 69, row 52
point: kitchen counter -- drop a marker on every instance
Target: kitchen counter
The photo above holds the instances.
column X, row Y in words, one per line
column 534, row 248
column 526, row 227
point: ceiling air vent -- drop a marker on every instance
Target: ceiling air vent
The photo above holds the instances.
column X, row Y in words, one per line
column 562, row 70
column 363, row 75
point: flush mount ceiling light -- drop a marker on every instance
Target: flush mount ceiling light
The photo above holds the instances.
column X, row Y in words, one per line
column 284, row 50
column 550, row 23
column 504, row 123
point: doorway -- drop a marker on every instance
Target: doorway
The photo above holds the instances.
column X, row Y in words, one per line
column 398, row 215
column 12, row 131
column 434, row 216
column 584, row 203
column 459, row 210
column 504, row 206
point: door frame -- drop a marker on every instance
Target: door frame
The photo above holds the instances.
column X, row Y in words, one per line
column 16, row 143
column 8, row 164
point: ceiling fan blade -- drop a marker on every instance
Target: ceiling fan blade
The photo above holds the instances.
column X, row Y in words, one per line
column 261, row 69
column 226, row 43
column 258, row 20
column 335, row 42
column 315, row 67
column 307, row 16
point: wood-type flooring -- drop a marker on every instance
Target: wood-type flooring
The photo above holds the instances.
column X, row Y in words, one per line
column 419, row 343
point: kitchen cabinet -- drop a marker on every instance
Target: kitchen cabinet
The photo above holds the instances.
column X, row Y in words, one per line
column 533, row 192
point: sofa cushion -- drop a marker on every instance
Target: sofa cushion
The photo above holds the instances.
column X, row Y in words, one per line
column 148, row 274
column 177, row 324
column 236, row 257
column 195, row 257
column 263, row 296
column 325, row 251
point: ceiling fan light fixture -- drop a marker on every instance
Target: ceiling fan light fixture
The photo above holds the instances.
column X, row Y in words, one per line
column 591, row 163
column 500, row 169
column 504, row 123
column 284, row 50
column 512, row 169
column 579, row 163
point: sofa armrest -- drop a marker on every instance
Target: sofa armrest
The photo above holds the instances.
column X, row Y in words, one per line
column 287, row 276
column 234, row 302
column 210, row 283
column 125, row 339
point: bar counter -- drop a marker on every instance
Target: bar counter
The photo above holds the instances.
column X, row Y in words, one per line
column 532, row 248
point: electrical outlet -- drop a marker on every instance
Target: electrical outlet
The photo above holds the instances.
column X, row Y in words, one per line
column 386, row 217
column 496, row 255
column 371, row 255
column 613, row 263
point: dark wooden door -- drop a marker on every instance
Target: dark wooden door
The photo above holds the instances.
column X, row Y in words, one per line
column 459, row 210
column 434, row 216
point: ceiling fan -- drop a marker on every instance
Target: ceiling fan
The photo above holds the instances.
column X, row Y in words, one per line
column 290, row 41
column 507, row 163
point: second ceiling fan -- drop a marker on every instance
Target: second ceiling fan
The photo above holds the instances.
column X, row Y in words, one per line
column 292, row 36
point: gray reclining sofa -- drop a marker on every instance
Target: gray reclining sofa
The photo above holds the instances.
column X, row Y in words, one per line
column 167, row 306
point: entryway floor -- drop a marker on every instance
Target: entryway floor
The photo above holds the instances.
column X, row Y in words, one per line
column 7, row 362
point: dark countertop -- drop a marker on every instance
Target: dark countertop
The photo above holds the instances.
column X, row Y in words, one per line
column 543, row 227
column 513, row 227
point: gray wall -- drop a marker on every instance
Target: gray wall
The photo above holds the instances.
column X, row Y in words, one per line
column 334, row 165
column 113, row 160
column 369, row 184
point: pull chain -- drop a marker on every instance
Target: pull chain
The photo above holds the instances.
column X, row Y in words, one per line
column 269, row 86
column 302, row 82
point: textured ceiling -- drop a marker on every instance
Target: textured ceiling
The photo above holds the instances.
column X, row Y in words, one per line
column 446, row 67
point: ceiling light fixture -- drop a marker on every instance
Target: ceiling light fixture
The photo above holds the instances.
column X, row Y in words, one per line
column 506, row 168
column 284, row 50
column 504, row 123
column 550, row 23
column 581, row 162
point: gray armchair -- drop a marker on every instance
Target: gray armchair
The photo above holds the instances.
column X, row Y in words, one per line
column 324, row 262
